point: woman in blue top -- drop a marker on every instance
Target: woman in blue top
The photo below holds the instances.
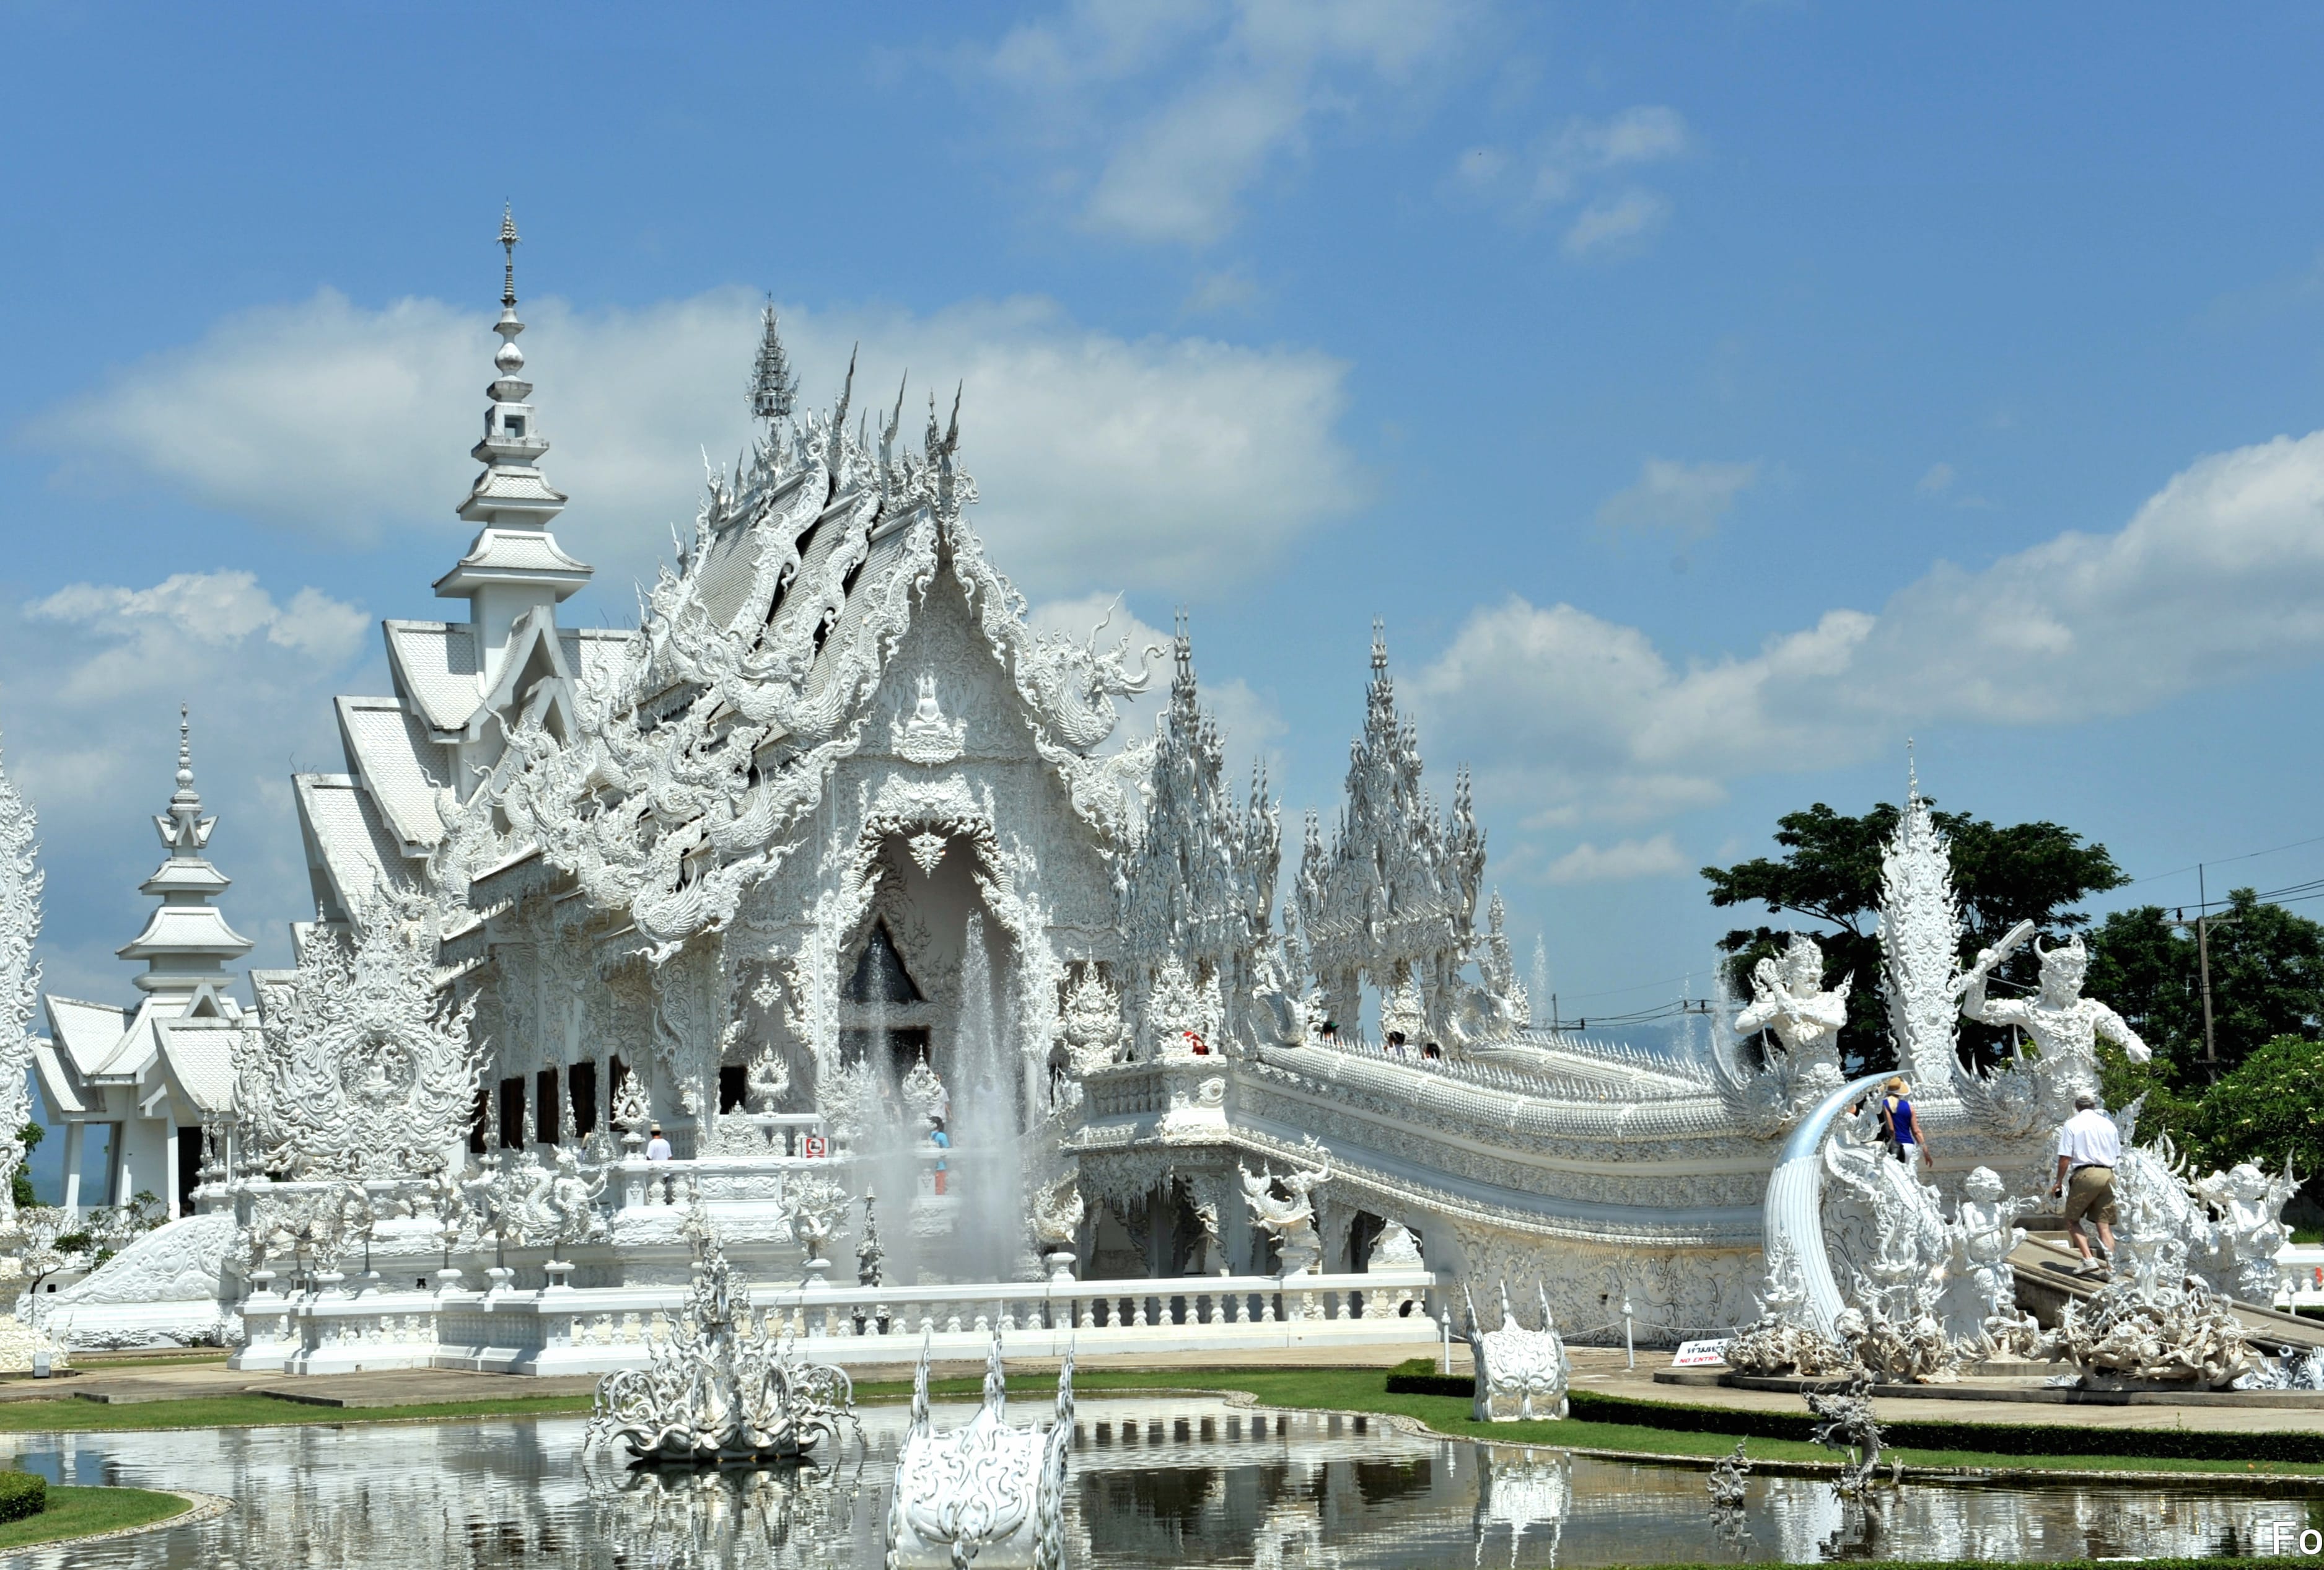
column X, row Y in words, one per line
column 941, row 1141
column 1900, row 1125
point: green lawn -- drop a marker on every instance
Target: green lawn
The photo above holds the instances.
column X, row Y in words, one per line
column 1338, row 1389
column 76, row 1512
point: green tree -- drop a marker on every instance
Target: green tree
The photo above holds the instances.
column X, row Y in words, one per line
column 1829, row 871
column 2267, row 983
column 2269, row 1109
column 21, row 1184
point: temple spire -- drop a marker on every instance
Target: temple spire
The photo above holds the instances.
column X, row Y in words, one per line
column 515, row 563
column 187, row 942
column 774, row 387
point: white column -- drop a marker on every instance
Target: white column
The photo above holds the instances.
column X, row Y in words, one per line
column 117, row 1175
column 74, row 1137
column 170, row 1167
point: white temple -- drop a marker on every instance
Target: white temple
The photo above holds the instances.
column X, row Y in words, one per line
column 833, row 841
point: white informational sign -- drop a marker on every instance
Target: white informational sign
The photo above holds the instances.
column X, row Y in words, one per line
column 1696, row 1353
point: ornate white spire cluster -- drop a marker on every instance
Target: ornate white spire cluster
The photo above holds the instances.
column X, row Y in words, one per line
column 20, row 977
column 187, row 943
column 673, row 814
column 1920, row 946
column 1395, row 897
column 1200, row 888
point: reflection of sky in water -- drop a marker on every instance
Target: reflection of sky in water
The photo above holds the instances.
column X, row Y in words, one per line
column 1153, row 1483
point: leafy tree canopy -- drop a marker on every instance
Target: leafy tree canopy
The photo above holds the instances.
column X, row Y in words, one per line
column 1829, row 871
column 2267, row 982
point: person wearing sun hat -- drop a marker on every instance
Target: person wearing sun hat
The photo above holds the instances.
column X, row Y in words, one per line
column 1900, row 1125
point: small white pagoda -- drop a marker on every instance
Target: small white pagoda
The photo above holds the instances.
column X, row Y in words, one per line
column 152, row 1073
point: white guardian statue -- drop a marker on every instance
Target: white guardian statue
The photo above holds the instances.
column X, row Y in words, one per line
column 2064, row 1024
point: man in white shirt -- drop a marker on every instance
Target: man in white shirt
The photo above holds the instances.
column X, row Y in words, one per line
column 2088, row 1146
column 658, row 1149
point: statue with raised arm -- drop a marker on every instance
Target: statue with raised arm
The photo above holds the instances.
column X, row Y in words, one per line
column 1291, row 1221
column 2065, row 1025
column 1788, row 997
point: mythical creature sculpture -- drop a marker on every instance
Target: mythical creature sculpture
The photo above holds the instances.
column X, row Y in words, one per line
column 1290, row 1221
column 1788, row 997
column 572, row 1203
column 814, row 1206
column 987, row 1492
column 2064, row 1024
column 1525, row 1368
column 1847, row 1424
column 1728, row 1481
column 362, row 1069
column 718, row 1391
column 1057, row 1215
column 2247, row 1208
column 1894, row 1253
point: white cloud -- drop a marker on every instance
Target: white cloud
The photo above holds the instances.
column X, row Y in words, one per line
column 1231, row 290
column 1170, row 461
column 1615, row 225
column 91, row 677
column 1620, row 862
column 1575, row 160
column 1571, row 717
column 1188, row 106
column 1937, row 481
column 1686, row 499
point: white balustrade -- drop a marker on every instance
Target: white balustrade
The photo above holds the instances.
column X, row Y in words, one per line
column 593, row 1329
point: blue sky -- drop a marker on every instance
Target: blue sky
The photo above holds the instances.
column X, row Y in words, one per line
column 1707, row 397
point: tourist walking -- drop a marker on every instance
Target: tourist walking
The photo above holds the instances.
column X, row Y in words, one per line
column 657, row 1148
column 1900, row 1125
column 2088, row 1147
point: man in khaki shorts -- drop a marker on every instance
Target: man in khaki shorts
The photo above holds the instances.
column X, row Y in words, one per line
column 2088, row 1146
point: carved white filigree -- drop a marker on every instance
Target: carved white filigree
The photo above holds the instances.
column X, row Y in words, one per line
column 1092, row 1027
column 987, row 1492
column 364, row 1067
column 1182, row 1015
column 1526, row 1372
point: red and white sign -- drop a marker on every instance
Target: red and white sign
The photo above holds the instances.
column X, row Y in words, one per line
column 815, row 1145
column 1697, row 1353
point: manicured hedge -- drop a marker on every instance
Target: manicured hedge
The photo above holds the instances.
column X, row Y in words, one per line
column 22, row 1495
column 1989, row 1438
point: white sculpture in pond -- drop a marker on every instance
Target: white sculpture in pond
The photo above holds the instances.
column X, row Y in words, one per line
column 1525, row 1368
column 986, row 1493
column 2064, row 1024
column 718, row 1391
column 1290, row 1222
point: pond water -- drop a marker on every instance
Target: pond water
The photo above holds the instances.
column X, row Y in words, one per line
column 1154, row 1482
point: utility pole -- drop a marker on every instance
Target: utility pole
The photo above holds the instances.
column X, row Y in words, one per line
column 2203, row 968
